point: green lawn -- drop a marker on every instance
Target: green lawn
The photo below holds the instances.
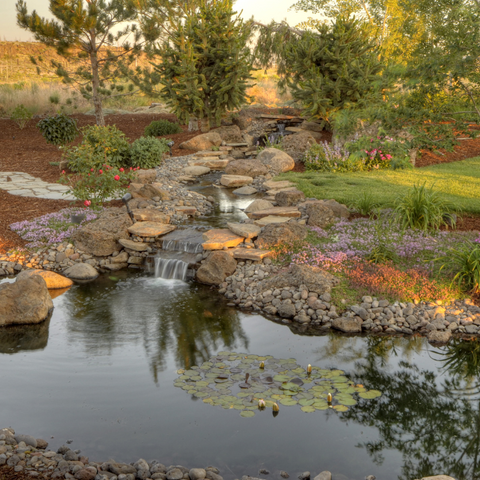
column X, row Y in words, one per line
column 460, row 181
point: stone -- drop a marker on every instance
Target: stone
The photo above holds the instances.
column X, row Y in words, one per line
column 274, row 185
column 81, row 272
column 245, row 191
column 196, row 171
column 27, row 439
column 314, row 127
column 100, row 238
column 52, row 279
column 88, row 473
column 298, row 144
column 436, row 336
column 291, row 212
column 347, row 325
column 186, row 210
column 121, row 468
column 325, row 475
column 131, row 245
column 150, row 215
column 275, row 160
column 148, row 191
column 257, row 205
column 220, row 238
column 246, row 230
column 212, row 163
column 197, row 473
column 230, row 134
column 205, row 141
column 286, row 309
column 271, row 219
column 25, row 301
column 174, row 474
column 438, row 477
column 122, row 257
column 253, row 254
column 250, row 168
column 289, row 198
column 145, row 176
column 275, row 234
column 42, row 444
column 233, row 181
column 217, row 267
column 340, row 210
column 150, row 229
column 319, row 215
column 313, row 278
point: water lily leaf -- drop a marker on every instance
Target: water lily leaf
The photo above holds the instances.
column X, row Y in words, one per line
column 208, row 400
column 308, row 409
column 370, row 394
column 220, row 380
column 320, row 407
column 340, row 408
column 297, row 381
column 339, row 379
column 180, row 372
column 305, row 402
column 235, row 370
column 277, row 396
column 288, row 401
column 203, row 383
column 238, row 406
column 247, row 413
column 244, row 385
column 243, row 394
column 281, row 378
column 299, row 370
column 201, row 394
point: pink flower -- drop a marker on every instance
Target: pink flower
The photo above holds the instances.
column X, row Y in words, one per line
column 122, row 170
column 100, row 171
column 87, row 203
column 63, row 171
column 117, row 177
column 92, row 169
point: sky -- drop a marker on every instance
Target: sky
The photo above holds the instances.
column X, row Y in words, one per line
column 262, row 10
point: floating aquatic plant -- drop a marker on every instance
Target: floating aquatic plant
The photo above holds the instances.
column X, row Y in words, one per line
column 251, row 383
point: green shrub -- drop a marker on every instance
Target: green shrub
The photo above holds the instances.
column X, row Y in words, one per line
column 20, row 116
column 424, row 209
column 364, row 204
column 158, row 128
column 58, row 129
column 147, row 152
column 324, row 157
column 464, row 262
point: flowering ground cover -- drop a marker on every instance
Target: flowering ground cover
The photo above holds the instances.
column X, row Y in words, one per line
column 53, row 227
column 379, row 258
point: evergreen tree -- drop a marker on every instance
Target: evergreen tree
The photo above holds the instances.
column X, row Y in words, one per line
column 83, row 34
column 205, row 61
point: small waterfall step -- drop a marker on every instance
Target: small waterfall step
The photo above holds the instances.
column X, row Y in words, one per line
column 187, row 240
column 171, row 269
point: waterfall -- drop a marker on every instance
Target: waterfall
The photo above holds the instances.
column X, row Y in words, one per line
column 181, row 246
column 170, row 268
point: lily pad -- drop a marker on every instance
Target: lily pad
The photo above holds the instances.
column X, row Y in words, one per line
column 305, row 402
column 288, row 401
column 247, row 413
column 308, row 409
column 370, row 394
column 340, row 408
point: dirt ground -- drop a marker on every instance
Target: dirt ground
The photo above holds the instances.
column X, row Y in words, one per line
column 26, row 151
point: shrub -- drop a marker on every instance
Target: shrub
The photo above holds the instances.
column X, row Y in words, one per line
column 364, row 204
column 147, row 152
column 271, row 142
column 159, row 128
column 98, row 185
column 21, row 116
column 324, row 157
column 58, row 129
column 100, row 146
column 464, row 262
column 424, row 209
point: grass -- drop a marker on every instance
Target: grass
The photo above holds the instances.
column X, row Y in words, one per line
column 459, row 182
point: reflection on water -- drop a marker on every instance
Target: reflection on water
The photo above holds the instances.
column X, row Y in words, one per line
column 106, row 378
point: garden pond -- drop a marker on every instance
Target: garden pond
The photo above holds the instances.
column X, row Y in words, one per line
column 102, row 372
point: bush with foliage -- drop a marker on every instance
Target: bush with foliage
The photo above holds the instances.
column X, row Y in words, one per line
column 324, row 157
column 58, row 129
column 100, row 145
column 21, row 115
column 158, row 128
column 423, row 208
column 96, row 186
column 147, row 152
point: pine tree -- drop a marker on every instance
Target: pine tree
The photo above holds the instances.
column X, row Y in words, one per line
column 83, row 34
column 205, row 62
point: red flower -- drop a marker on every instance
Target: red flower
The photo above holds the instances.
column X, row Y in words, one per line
column 63, row 171
column 92, row 169
column 87, row 203
column 100, row 171
column 117, row 177
column 122, row 169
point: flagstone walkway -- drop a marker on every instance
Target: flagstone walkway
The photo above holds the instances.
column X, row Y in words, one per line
column 24, row 185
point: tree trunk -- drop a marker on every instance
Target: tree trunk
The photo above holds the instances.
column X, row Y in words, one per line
column 193, row 124
column 97, row 101
column 205, row 125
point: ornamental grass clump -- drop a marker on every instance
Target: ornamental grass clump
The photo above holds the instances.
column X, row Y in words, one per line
column 424, row 209
column 147, row 152
column 324, row 157
column 158, row 128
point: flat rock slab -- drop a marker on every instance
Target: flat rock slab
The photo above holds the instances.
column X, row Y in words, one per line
column 273, row 192
column 219, row 238
column 232, row 181
column 272, row 185
column 212, row 163
column 246, row 230
column 262, row 222
column 150, row 229
column 196, row 171
column 209, row 153
column 52, row 279
column 245, row 191
column 259, row 204
column 253, row 254
column 186, row 210
column 291, row 212
column 131, row 245
column 150, row 215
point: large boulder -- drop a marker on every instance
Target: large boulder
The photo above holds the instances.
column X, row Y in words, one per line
column 230, row 134
column 277, row 233
column 247, row 230
column 314, row 278
column 52, row 279
column 347, row 325
column 100, row 238
column 244, row 119
column 287, row 198
column 257, row 205
column 297, row 144
column 320, row 215
column 82, row 272
column 25, row 301
column 217, row 267
column 196, row 171
column 148, row 191
column 339, row 209
column 275, row 160
column 145, row 176
column 251, row 168
column 205, row 141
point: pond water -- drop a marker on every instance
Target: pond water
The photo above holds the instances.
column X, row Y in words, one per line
column 101, row 372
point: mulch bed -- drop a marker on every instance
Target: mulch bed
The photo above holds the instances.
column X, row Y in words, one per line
column 26, row 151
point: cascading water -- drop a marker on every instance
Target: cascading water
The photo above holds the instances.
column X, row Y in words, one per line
column 171, row 268
column 179, row 246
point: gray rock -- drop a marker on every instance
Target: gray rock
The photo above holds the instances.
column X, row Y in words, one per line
column 158, row 468
column 216, row 268
column 258, row 205
column 174, row 474
column 250, row 168
column 320, row 215
column 42, row 444
column 245, row 191
column 71, row 456
column 3, row 459
column 197, row 474
column 325, row 475
column 289, row 198
column 436, row 336
column 141, row 464
column 277, row 233
column 284, row 474
column 29, row 440
column 196, row 171
column 286, row 309
column 247, row 230
column 347, row 325
column 304, row 476
column 275, row 160
column 361, row 312
column 82, row 272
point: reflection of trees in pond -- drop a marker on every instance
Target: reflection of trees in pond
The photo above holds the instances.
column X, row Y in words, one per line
column 187, row 320
column 433, row 421
column 20, row 338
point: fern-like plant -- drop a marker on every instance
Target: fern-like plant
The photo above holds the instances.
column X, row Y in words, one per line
column 464, row 262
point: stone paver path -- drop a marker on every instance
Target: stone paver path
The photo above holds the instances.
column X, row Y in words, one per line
column 23, row 184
